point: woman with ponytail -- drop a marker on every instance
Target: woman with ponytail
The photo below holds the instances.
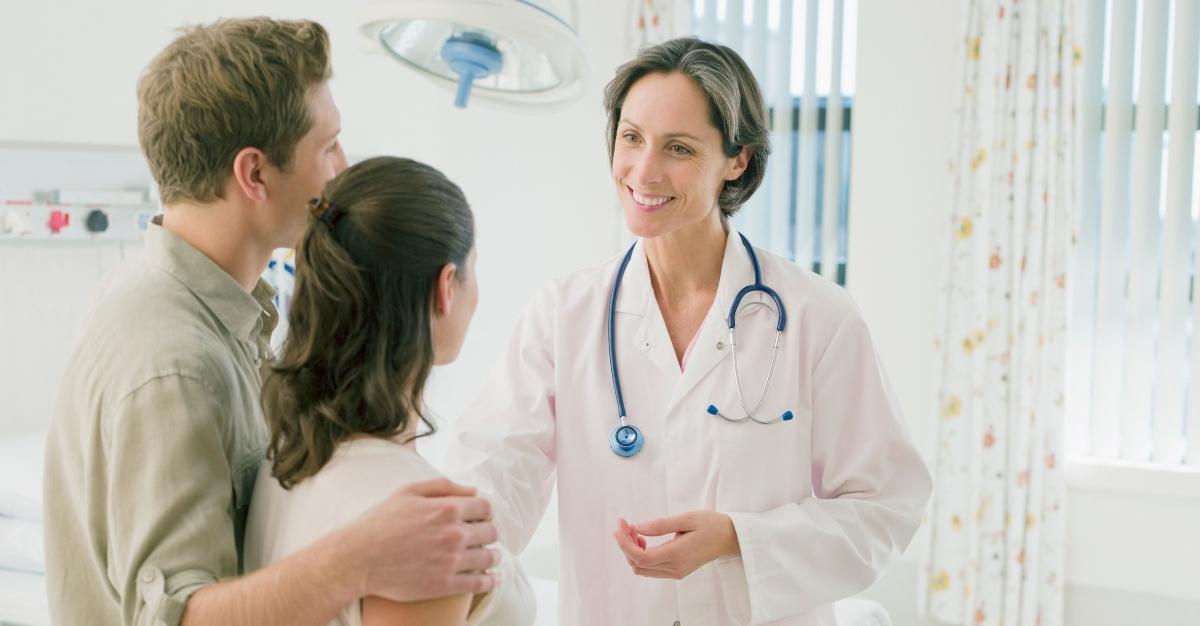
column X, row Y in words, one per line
column 385, row 290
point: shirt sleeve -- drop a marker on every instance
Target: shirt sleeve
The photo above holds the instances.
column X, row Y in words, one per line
column 170, row 497
column 870, row 486
column 505, row 441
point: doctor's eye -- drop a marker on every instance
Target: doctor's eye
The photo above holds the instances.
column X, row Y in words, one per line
column 680, row 150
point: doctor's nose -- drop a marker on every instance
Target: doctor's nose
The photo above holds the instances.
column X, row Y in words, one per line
column 645, row 169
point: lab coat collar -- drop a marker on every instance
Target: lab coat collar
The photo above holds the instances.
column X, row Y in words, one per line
column 637, row 295
column 712, row 344
column 651, row 339
column 635, row 286
column 736, row 272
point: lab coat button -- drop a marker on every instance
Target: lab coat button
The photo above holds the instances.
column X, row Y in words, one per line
column 676, row 623
column 720, row 345
column 646, row 345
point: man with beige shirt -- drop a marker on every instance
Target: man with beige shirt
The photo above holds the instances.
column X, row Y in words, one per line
column 158, row 431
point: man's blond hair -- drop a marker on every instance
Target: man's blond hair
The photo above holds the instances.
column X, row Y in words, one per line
column 222, row 87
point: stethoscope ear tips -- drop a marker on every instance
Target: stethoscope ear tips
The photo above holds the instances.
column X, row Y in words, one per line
column 712, row 409
column 787, row 416
column 626, row 440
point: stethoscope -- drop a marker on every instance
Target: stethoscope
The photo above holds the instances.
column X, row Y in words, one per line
column 627, row 439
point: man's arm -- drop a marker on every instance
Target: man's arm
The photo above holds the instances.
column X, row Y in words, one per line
column 171, row 539
column 423, row 542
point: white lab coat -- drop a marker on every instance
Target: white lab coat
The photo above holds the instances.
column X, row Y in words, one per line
column 821, row 504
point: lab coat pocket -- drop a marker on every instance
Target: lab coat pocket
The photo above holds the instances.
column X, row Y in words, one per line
column 763, row 466
column 734, row 590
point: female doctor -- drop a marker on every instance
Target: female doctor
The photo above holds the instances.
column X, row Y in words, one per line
column 728, row 401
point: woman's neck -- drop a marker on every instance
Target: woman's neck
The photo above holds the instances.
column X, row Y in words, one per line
column 406, row 438
column 687, row 261
column 685, row 269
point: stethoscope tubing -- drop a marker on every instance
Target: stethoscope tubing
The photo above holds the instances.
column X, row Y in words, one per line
column 627, row 440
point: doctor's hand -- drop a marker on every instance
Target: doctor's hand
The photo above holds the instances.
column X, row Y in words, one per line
column 700, row 537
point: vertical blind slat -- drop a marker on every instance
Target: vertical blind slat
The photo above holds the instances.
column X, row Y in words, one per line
column 1114, row 228
column 763, row 205
column 1179, row 235
column 806, row 162
column 831, row 206
column 1137, row 403
column 1083, row 296
column 734, row 26
column 781, row 141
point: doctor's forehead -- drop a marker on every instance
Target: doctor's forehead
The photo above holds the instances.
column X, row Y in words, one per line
column 666, row 104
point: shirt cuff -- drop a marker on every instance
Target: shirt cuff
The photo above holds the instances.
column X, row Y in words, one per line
column 163, row 599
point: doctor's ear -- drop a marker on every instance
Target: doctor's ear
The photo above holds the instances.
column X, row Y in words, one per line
column 443, row 289
column 248, row 170
column 738, row 164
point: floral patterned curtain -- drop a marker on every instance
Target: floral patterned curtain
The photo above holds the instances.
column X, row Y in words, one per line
column 995, row 527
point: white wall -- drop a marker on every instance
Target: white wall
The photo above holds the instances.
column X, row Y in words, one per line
column 537, row 182
column 1131, row 557
column 43, row 289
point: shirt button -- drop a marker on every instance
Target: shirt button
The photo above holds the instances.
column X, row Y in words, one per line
column 676, row 623
column 147, row 575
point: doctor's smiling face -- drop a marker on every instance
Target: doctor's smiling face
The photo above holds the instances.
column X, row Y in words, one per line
column 668, row 164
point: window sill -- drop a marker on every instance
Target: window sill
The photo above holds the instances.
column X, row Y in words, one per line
column 1095, row 474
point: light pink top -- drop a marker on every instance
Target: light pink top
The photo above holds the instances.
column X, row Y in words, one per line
column 687, row 353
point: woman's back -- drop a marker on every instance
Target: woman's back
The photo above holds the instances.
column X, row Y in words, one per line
column 361, row 473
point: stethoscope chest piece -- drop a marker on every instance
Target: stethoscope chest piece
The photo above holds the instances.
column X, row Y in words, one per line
column 626, row 440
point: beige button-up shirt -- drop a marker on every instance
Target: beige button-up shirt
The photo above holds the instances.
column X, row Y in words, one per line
column 156, row 439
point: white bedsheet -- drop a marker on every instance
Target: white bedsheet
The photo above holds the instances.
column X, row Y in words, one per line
column 21, row 546
column 21, row 476
column 23, row 599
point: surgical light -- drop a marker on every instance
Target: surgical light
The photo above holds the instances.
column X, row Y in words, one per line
column 508, row 52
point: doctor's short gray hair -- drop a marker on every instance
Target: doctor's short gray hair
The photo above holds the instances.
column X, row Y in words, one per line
column 736, row 104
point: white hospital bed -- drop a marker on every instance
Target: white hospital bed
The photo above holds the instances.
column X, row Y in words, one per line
column 22, row 589
column 23, row 599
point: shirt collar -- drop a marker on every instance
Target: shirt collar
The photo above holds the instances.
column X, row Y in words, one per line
column 243, row 314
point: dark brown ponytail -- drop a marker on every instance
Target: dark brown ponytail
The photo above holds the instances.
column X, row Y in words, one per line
column 359, row 348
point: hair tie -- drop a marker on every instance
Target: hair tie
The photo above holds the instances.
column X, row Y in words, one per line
column 323, row 211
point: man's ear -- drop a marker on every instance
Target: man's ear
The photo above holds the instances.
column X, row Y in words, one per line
column 248, row 173
column 443, row 296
